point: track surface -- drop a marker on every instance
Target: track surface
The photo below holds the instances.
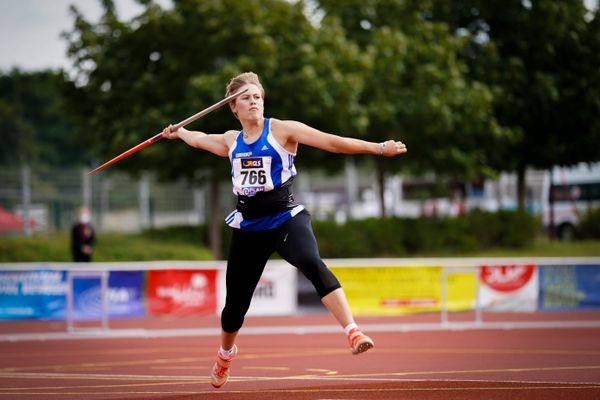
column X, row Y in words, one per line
column 491, row 364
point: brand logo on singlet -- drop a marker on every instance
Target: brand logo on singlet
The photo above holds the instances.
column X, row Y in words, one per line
column 252, row 163
column 252, row 190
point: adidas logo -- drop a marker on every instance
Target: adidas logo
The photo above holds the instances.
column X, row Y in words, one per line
column 264, row 148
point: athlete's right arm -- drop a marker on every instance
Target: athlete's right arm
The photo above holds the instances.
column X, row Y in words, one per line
column 216, row 144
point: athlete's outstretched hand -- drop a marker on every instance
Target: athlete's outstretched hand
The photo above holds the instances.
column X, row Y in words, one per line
column 392, row 148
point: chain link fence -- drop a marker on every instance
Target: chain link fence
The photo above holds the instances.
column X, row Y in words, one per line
column 49, row 199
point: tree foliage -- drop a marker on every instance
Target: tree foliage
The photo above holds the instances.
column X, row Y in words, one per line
column 35, row 124
column 473, row 87
column 418, row 88
column 545, row 61
column 165, row 65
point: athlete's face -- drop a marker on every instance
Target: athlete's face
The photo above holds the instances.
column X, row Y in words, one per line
column 250, row 105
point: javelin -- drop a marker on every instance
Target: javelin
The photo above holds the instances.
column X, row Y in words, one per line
column 159, row 136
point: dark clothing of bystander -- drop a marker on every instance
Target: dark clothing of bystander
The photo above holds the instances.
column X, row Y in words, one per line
column 83, row 240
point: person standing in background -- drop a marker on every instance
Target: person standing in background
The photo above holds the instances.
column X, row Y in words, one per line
column 83, row 237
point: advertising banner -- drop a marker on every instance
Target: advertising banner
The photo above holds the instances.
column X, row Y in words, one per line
column 42, row 295
column 125, row 296
column 32, row 294
column 566, row 287
column 402, row 290
column 182, row 292
column 509, row 287
column 276, row 293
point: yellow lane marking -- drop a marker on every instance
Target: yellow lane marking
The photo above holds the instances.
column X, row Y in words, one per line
column 473, row 371
column 261, row 354
column 499, row 351
column 325, row 371
column 167, row 361
column 95, row 377
column 108, row 386
column 129, row 351
column 110, row 364
column 268, row 368
column 339, row 390
column 272, row 378
column 380, row 374
column 263, row 351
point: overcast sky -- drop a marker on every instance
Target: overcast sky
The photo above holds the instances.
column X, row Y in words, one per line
column 30, row 29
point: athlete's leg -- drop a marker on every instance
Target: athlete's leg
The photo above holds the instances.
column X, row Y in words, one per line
column 248, row 255
column 338, row 306
column 298, row 246
column 228, row 339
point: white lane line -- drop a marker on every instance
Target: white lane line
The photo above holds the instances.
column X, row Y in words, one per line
column 41, row 375
column 294, row 330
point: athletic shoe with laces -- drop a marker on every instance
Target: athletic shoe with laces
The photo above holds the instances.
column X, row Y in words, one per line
column 359, row 342
column 220, row 370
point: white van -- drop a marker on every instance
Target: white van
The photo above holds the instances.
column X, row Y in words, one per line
column 576, row 190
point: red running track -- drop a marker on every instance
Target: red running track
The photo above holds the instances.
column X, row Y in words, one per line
column 491, row 364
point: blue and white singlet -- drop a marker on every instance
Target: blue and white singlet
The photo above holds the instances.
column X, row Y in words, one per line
column 260, row 166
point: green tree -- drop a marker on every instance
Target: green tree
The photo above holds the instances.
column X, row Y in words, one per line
column 34, row 121
column 16, row 135
column 545, row 57
column 135, row 77
column 417, row 89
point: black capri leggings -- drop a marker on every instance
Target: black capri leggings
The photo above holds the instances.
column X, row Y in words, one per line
column 249, row 252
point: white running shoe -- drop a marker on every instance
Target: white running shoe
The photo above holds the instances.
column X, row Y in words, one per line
column 220, row 370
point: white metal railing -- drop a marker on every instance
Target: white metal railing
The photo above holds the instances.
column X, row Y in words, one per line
column 102, row 275
column 444, row 293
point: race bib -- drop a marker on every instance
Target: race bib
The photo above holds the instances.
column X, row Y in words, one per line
column 252, row 175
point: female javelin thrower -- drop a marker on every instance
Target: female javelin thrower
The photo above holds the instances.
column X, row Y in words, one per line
column 267, row 219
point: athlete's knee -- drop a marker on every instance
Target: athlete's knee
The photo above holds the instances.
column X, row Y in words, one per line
column 327, row 287
column 231, row 319
column 309, row 264
column 234, row 312
column 321, row 277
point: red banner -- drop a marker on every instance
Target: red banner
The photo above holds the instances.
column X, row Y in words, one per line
column 507, row 278
column 182, row 292
column 509, row 287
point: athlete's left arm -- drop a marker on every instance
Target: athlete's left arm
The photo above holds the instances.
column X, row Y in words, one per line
column 294, row 131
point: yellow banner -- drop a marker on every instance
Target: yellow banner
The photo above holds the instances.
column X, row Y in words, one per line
column 403, row 290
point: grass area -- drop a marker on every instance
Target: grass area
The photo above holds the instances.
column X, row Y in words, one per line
column 542, row 247
column 110, row 247
column 140, row 248
column 546, row 248
column 185, row 244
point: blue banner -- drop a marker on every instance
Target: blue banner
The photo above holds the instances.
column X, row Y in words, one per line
column 568, row 287
column 124, row 295
column 32, row 294
column 42, row 295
